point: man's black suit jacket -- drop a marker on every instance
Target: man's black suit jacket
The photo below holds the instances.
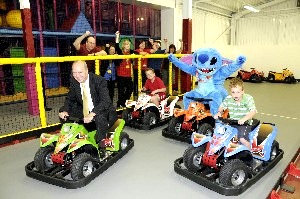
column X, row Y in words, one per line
column 99, row 93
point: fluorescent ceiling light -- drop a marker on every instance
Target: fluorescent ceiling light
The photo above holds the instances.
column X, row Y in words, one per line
column 251, row 8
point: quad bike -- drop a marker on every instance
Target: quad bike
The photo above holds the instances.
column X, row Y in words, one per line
column 286, row 76
column 72, row 159
column 197, row 118
column 252, row 76
column 222, row 164
column 143, row 114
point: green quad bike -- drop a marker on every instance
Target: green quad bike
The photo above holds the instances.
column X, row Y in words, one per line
column 72, row 159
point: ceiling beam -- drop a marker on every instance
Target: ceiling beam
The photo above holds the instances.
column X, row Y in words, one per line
column 271, row 3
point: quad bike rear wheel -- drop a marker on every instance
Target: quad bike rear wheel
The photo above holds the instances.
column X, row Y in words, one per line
column 234, row 173
column 42, row 158
column 82, row 166
column 150, row 118
column 192, row 158
column 274, row 150
column 127, row 115
column 255, row 78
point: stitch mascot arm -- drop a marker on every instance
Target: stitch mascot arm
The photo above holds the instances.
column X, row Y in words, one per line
column 206, row 64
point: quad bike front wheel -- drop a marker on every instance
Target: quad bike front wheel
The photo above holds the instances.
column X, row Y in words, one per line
column 42, row 158
column 82, row 166
column 124, row 140
column 150, row 118
column 174, row 126
column 255, row 78
column 274, row 150
column 192, row 158
column 206, row 129
column 271, row 77
column 127, row 115
column 234, row 173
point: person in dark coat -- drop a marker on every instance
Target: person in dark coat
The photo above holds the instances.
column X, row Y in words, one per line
column 100, row 107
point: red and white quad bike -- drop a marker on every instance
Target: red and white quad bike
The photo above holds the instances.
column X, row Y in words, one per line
column 144, row 114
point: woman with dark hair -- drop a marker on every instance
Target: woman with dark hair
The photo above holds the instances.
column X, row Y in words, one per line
column 108, row 70
column 166, row 62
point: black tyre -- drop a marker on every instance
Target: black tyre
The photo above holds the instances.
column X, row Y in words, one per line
column 124, row 140
column 274, row 150
column 271, row 77
column 127, row 115
column 150, row 118
column 206, row 129
column 255, row 78
column 82, row 166
column 234, row 173
column 192, row 158
column 174, row 126
column 42, row 158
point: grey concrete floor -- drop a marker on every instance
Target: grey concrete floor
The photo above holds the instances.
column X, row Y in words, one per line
column 147, row 171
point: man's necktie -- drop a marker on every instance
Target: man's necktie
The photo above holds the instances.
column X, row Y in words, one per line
column 85, row 100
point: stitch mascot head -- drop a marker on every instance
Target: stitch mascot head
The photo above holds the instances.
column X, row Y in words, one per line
column 207, row 61
column 210, row 70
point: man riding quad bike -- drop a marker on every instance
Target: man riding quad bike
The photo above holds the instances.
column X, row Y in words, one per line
column 74, row 154
column 221, row 163
column 197, row 118
column 143, row 114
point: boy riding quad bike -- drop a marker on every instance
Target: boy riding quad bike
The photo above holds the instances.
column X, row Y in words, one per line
column 197, row 118
column 221, row 163
column 143, row 114
column 75, row 151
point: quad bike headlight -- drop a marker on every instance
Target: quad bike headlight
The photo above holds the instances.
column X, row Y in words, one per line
column 66, row 128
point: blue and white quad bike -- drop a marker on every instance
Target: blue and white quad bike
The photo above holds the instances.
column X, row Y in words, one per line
column 221, row 163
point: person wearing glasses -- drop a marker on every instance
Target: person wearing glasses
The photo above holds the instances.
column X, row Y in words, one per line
column 88, row 49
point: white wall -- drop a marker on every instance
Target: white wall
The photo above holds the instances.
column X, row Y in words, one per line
column 171, row 25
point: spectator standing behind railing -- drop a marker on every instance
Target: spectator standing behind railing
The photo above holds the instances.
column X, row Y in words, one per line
column 88, row 49
column 108, row 70
column 166, row 62
column 155, row 63
column 124, row 79
column 141, row 50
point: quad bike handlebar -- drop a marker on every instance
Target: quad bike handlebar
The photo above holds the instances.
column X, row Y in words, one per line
column 199, row 99
column 232, row 122
column 146, row 91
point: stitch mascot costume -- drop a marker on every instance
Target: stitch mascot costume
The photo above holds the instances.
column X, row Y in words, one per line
column 211, row 70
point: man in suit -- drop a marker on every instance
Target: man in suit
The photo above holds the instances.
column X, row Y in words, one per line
column 100, row 107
